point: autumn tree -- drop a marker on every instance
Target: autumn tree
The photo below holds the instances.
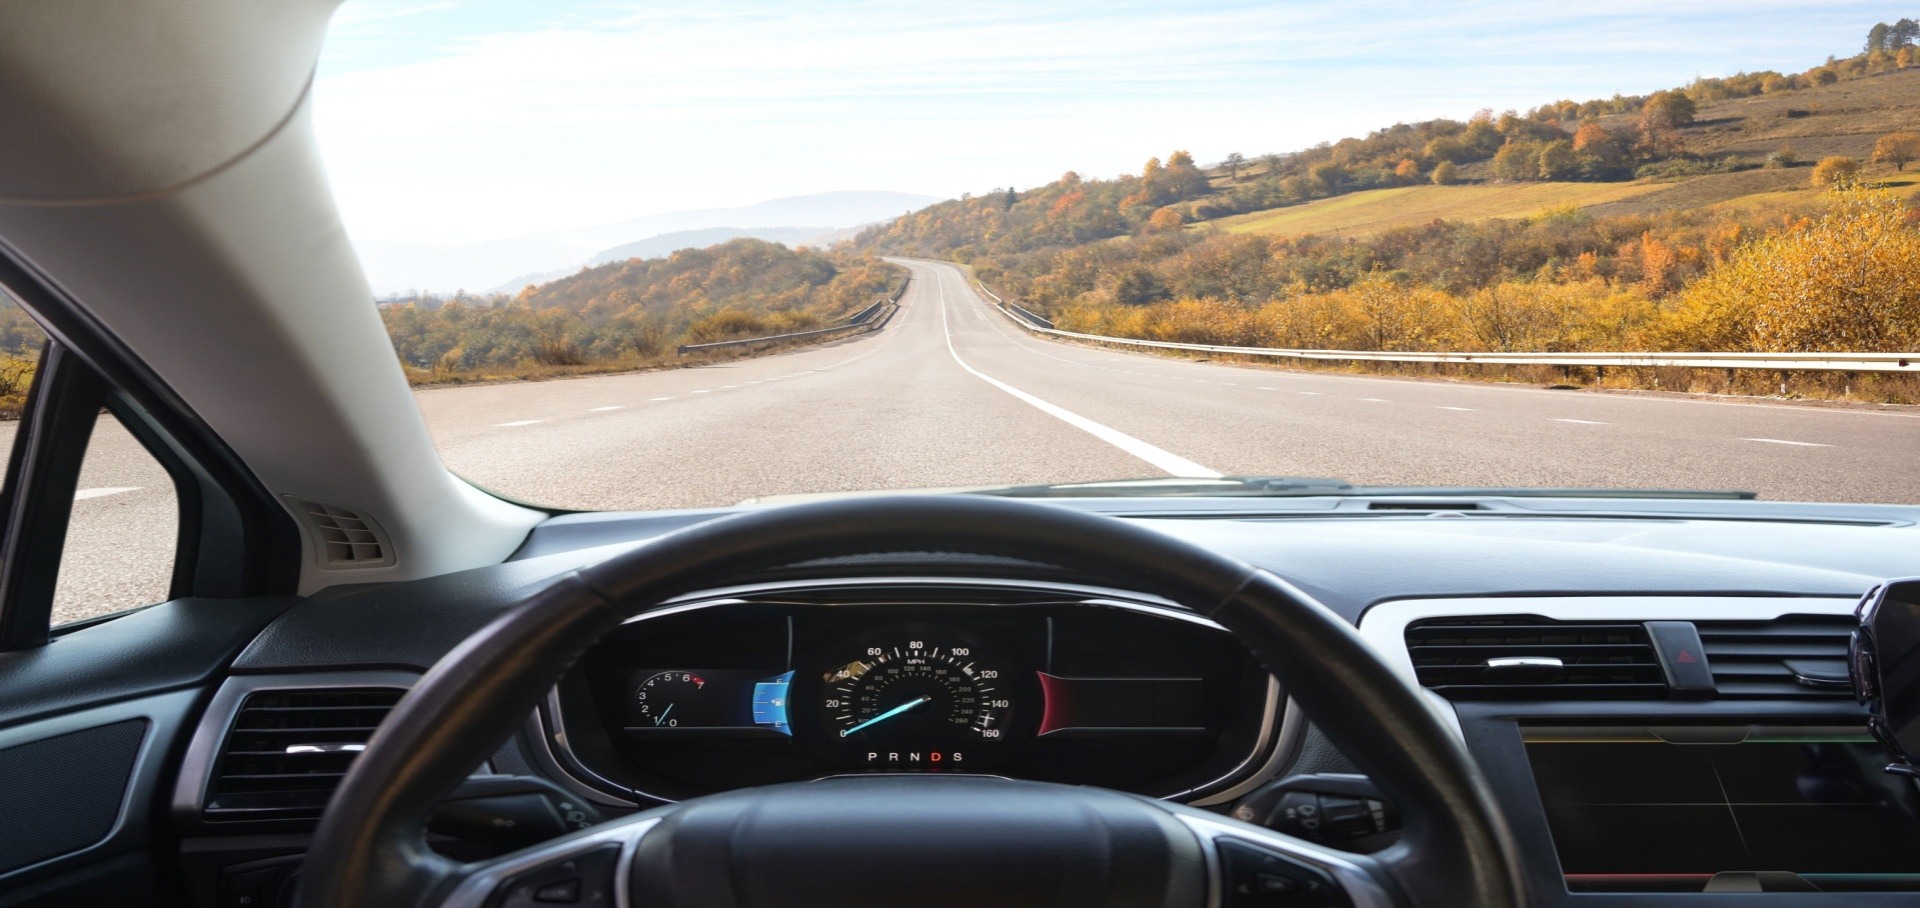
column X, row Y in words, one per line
column 1233, row 162
column 1407, row 169
column 1597, row 141
column 1445, row 173
column 1165, row 220
column 1666, row 110
column 1836, row 171
column 1897, row 148
column 1850, row 281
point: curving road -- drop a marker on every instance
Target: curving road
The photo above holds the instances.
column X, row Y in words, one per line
column 950, row 393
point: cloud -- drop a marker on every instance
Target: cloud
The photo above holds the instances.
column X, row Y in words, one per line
column 446, row 123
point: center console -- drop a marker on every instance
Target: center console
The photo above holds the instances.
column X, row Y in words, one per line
column 1641, row 759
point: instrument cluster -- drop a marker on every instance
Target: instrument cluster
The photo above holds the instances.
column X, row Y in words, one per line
column 732, row 693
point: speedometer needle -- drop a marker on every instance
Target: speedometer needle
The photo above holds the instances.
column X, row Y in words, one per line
column 888, row 714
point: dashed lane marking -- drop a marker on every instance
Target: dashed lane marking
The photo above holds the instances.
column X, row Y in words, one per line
column 103, row 492
column 517, row 422
column 1782, row 441
column 1579, row 422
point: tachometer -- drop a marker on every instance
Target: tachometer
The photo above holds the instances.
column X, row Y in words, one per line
column 917, row 689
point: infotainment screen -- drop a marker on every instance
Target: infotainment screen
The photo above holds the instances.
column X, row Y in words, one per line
column 1763, row 809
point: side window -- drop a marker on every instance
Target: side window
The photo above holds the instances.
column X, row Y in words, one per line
column 123, row 533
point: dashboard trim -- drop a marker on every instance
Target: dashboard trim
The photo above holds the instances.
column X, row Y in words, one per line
column 1281, row 732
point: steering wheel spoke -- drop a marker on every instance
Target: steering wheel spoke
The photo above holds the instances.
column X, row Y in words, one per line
column 588, row 869
column 1253, row 867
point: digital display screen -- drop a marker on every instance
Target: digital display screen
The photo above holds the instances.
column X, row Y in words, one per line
column 1636, row 811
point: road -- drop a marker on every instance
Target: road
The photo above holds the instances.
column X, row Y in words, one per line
column 950, row 393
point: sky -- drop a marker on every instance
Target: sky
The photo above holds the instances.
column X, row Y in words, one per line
column 467, row 120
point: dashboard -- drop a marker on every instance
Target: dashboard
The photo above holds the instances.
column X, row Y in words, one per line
column 1750, row 792
column 804, row 682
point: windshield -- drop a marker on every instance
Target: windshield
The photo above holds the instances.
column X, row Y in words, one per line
column 686, row 255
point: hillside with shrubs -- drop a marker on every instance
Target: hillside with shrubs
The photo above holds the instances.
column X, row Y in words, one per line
column 633, row 313
column 1759, row 212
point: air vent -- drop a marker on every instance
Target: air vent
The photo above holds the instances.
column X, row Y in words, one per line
column 343, row 537
column 1526, row 657
column 288, row 749
column 1791, row 657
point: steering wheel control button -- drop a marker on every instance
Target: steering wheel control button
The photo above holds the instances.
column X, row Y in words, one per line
column 1329, row 808
column 1257, row 878
column 1677, row 644
column 584, row 879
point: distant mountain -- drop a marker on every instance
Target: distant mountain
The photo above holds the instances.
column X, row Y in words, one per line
column 666, row 243
column 510, row 264
column 394, row 268
column 828, row 209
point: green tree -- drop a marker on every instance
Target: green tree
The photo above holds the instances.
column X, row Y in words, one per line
column 1557, row 160
column 1903, row 34
column 1516, row 162
column 1446, row 173
column 1233, row 163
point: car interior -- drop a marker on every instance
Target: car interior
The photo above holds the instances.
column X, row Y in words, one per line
column 374, row 683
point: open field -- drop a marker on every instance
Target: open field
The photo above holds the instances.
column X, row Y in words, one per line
column 1363, row 213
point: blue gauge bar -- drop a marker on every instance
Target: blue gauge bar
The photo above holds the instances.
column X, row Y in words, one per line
column 770, row 703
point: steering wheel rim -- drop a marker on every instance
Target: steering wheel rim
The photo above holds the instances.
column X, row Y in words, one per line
column 370, row 847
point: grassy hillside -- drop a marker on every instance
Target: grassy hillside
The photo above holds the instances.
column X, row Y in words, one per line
column 1368, row 213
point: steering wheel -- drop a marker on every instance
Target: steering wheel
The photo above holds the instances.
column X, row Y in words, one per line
column 887, row 840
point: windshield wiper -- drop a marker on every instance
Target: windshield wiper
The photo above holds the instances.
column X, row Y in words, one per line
column 1311, row 486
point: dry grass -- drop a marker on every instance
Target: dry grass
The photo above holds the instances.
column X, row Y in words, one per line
column 1364, row 213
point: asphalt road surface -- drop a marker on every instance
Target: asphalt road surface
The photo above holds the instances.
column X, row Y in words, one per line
column 952, row 394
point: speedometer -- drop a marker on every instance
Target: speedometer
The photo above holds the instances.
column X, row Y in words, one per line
column 915, row 689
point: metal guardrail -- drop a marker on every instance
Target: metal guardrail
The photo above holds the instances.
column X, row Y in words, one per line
column 1774, row 362
column 868, row 319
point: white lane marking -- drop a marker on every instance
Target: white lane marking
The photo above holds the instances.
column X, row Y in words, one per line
column 728, row 387
column 102, row 492
column 1173, row 464
column 1308, row 393
column 517, row 422
column 1265, row 388
column 1461, row 409
column 652, row 399
column 704, row 391
column 1579, row 422
column 603, row 409
column 1782, row 441
column 1376, row 400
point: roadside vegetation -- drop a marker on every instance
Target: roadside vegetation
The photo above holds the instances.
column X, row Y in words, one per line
column 1708, row 217
column 632, row 314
